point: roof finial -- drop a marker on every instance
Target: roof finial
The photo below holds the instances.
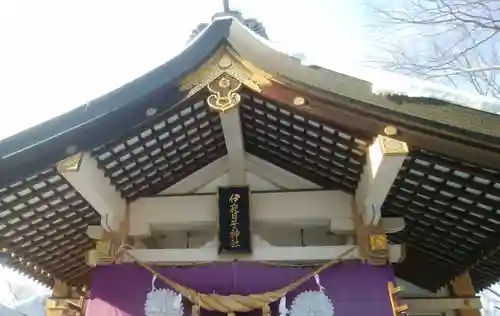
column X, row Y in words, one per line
column 225, row 4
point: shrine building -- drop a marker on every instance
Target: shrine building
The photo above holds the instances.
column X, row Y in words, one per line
column 233, row 178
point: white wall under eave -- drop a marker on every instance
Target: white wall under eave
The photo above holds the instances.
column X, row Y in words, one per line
column 260, row 175
column 412, row 290
column 302, row 209
column 255, row 183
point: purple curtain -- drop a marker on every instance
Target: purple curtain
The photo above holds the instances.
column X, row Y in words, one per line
column 354, row 288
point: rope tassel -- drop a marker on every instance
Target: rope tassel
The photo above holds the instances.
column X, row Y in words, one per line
column 266, row 311
column 235, row 302
column 195, row 310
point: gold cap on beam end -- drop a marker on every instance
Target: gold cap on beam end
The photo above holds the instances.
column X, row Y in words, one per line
column 299, row 101
column 390, row 130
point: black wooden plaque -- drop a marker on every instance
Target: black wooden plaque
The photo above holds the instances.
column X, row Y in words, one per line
column 234, row 220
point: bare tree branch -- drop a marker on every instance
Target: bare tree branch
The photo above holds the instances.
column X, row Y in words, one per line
column 11, row 290
column 456, row 42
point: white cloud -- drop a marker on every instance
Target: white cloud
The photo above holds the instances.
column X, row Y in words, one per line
column 15, row 288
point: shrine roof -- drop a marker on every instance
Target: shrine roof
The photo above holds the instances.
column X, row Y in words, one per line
column 150, row 134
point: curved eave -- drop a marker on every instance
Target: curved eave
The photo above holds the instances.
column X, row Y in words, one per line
column 336, row 87
column 109, row 116
column 467, row 134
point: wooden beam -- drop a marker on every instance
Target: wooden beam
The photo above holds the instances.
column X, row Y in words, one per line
column 262, row 251
column 276, row 175
column 369, row 120
column 254, row 166
column 231, row 126
column 440, row 305
column 60, row 289
column 82, row 172
column 95, row 232
column 383, row 162
column 462, row 287
column 301, row 209
column 384, row 159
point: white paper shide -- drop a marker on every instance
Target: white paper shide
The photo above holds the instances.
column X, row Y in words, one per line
column 312, row 303
column 163, row 302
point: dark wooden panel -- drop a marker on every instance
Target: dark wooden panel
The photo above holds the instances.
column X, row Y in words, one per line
column 451, row 210
column 43, row 222
column 486, row 271
column 322, row 153
column 451, row 207
column 170, row 147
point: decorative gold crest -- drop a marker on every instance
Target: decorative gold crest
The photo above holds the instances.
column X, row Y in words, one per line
column 224, row 93
column 70, row 164
column 378, row 242
column 225, row 62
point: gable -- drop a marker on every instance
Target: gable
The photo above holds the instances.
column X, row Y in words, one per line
column 295, row 128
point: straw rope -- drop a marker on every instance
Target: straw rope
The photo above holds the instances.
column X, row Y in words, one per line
column 234, row 302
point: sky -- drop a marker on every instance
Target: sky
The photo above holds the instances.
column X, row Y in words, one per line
column 59, row 54
column 16, row 288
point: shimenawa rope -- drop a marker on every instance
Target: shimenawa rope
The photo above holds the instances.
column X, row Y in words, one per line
column 232, row 303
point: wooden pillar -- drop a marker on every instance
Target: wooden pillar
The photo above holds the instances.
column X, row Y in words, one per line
column 462, row 287
column 383, row 162
column 55, row 305
column 61, row 289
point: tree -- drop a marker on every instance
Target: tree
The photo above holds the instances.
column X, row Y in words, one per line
column 456, row 42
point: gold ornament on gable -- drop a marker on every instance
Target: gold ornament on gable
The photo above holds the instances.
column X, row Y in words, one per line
column 224, row 93
column 378, row 242
column 224, row 75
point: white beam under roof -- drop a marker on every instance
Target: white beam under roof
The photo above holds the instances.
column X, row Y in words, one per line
column 279, row 178
column 276, row 175
column 384, row 160
column 439, row 305
column 82, row 172
column 95, row 232
column 299, row 209
column 200, row 178
column 262, row 251
column 231, row 126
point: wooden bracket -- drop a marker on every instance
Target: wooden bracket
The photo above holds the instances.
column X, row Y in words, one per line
column 107, row 247
column 65, row 301
column 384, row 160
column 462, row 287
column 372, row 240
